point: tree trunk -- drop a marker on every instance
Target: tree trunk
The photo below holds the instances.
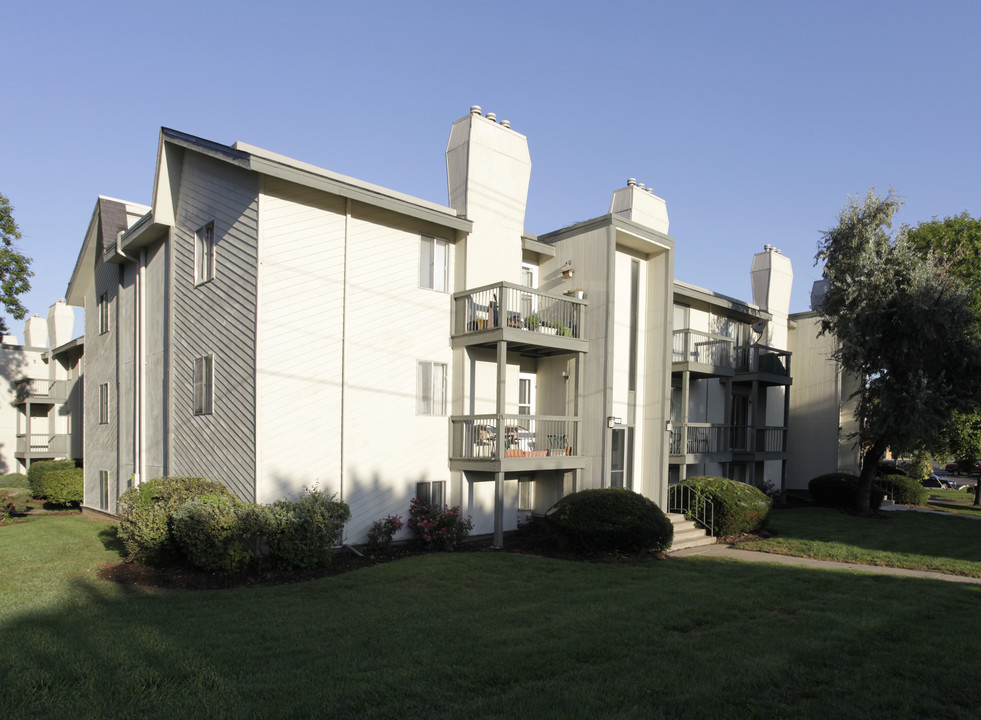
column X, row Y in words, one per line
column 869, row 464
column 977, row 492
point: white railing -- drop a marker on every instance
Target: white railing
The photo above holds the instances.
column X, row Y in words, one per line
column 494, row 437
column 520, row 308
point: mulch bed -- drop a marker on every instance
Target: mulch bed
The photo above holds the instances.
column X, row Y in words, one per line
column 531, row 539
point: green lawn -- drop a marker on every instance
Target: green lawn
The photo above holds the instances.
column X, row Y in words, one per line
column 917, row 541
column 489, row 634
column 956, row 501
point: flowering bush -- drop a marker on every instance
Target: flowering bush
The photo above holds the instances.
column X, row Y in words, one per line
column 10, row 504
column 382, row 531
column 438, row 528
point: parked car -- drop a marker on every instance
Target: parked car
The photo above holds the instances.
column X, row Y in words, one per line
column 955, row 468
column 935, row 481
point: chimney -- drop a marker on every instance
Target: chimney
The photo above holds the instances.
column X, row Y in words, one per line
column 61, row 321
column 36, row 332
column 488, row 168
column 640, row 205
column 773, row 276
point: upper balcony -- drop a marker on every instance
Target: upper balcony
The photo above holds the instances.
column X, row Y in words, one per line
column 41, row 390
column 767, row 365
column 702, row 354
column 531, row 321
column 42, row 445
column 704, row 442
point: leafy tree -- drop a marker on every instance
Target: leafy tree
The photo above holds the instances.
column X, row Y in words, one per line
column 961, row 438
column 894, row 312
column 15, row 268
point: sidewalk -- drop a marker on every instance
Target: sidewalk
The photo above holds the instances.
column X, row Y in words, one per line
column 729, row 552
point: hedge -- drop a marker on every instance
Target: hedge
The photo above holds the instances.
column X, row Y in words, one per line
column 903, row 490
column 737, row 507
column 611, row 519
column 37, row 471
column 208, row 531
column 63, row 487
column 840, row 489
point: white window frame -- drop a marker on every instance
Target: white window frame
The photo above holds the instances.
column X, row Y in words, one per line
column 203, row 385
column 104, row 313
column 104, row 404
column 434, row 264
column 430, row 388
column 427, row 491
column 526, row 405
column 204, row 253
column 526, row 494
column 104, row 489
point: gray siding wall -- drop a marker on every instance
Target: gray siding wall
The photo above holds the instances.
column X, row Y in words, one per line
column 155, row 277
column 217, row 317
column 100, row 368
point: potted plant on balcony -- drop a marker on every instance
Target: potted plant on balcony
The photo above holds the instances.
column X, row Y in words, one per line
column 577, row 293
column 532, row 322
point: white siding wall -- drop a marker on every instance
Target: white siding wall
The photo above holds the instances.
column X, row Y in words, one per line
column 300, row 340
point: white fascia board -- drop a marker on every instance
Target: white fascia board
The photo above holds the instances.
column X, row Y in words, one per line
column 687, row 291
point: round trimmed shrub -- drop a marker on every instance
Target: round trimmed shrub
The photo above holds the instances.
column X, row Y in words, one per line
column 903, row 489
column 737, row 507
column 305, row 531
column 62, row 487
column 37, row 471
column 840, row 489
column 610, row 519
column 208, row 531
column 145, row 512
column 14, row 480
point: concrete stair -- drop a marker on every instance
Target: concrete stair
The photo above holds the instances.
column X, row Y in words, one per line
column 687, row 534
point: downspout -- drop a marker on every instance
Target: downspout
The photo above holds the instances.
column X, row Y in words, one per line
column 347, row 221
column 141, row 368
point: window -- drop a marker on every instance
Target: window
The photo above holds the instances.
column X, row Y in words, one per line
column 526, row 394
column 104, row 404
column 526, row 494
column 431, row 493
column 104, row 489
column 433, row 263
column 204, row 384
column 430, row 388
column 204, row 254
column 103, row 313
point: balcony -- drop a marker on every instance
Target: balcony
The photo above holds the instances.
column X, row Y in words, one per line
column 512, row 443
column 42, row 445
column 693, row 441
column 764, row 364
column 532, row 322
column 702, row 354
column 40, row 390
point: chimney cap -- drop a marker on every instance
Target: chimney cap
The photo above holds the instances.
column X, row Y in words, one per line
column 491, row 116
column 475, row 109
column 631, row 182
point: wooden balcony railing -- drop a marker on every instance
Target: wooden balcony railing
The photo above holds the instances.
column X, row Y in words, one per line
column 517, row 307
column 40, row 389
column 762, row 359
column 699, row 347
column 697, row 438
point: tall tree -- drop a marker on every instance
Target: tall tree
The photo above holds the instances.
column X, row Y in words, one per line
column 904, row 324
column 958, row 239
column 15, row 268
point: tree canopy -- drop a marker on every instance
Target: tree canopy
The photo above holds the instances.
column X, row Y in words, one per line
column 15, row 268
column 905, row 324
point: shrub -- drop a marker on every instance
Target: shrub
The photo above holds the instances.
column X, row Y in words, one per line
column 611, row 519
column 840, row 489
column 207, row 529
column 438, row 528
column 305, row 531
column 62, row 487
column 903, row 490
column 382, row 531
column 14, row 480
column 737, row 507
column 889, row 468
column 40, row 468
column 11, row 504
column 145, row 511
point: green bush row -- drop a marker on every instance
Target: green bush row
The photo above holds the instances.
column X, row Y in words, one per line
column 737, row 507
column 57, row 481
column 610, row 519
column 201, row 520
column 903, row 489
column 840, row 489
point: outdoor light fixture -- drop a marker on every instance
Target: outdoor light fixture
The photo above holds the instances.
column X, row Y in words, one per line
column 613, row 421
column 567, row 271
column 668, row 427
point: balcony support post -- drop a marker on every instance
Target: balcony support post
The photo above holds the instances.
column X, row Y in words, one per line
column 502, row 374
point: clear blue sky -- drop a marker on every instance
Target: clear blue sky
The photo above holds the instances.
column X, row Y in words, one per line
column 755, row 121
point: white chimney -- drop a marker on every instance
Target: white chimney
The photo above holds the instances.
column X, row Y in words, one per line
column 773, row 277
column 640, row 205
column 36, row 332
column 488, row 168
column 61, row 321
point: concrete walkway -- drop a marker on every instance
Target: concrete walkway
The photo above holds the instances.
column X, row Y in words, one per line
column 729, row 552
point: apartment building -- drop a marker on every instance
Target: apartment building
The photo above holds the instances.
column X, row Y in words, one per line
column 40, row 402
column 274, row 325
